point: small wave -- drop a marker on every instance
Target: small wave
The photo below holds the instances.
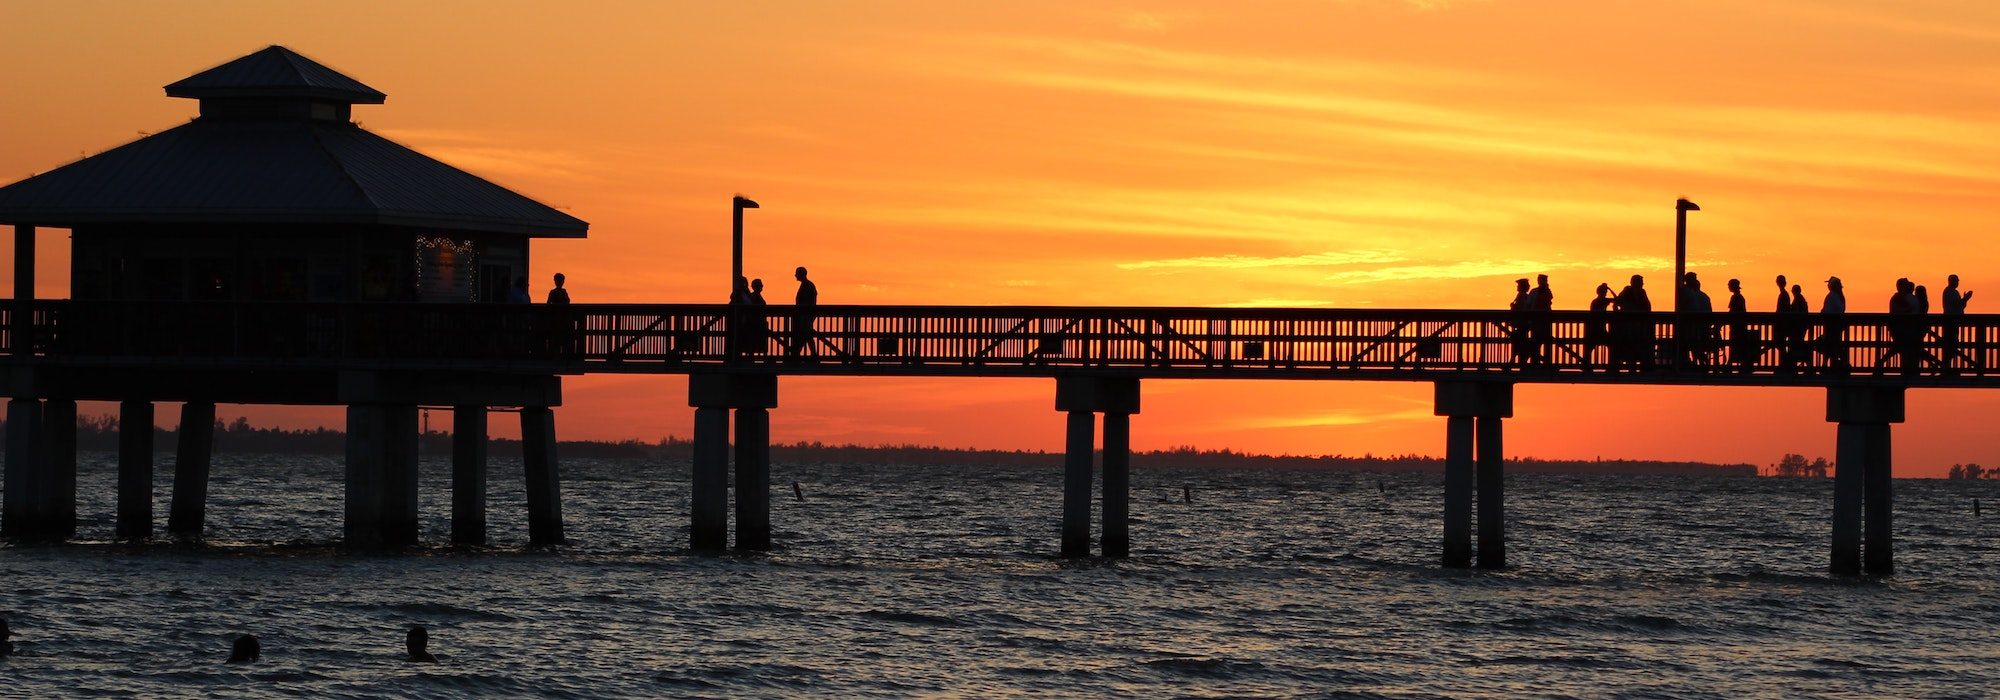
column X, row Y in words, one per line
column 912, row 618
column 1206, row 668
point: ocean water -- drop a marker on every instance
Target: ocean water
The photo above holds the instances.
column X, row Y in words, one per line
column 895, row 581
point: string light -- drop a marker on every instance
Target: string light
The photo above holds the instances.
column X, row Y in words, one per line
column 459, row 249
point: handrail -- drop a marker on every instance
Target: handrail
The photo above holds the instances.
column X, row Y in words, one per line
column 915, row 339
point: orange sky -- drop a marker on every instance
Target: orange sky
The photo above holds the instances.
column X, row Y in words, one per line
column 1385, row 153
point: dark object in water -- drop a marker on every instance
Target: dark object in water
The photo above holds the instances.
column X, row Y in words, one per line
column 417, row 642
column 245, row 650
column 6, row 635
column 798, row 493
column 1187, row 494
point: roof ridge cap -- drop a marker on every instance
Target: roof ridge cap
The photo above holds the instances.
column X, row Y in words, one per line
column 352, row 181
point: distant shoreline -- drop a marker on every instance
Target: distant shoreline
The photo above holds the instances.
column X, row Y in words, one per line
column 99, row 433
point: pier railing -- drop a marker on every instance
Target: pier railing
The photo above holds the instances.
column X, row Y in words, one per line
column 1021, row 340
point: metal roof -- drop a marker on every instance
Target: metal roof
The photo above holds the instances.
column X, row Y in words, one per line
column 275, row 72
column 275, row 172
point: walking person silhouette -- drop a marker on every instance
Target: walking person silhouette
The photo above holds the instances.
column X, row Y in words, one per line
column 1744, row 343
column 802, row 318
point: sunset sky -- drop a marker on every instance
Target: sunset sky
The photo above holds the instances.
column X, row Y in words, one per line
column 1330, row 153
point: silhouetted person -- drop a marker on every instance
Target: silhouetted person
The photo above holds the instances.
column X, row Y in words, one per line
column 1635, row 330
column 1923, row 300
column 519, row 294
column 1796, row 310
column 760, row 322
column 558, row 295
column 737, row 341
column 245, row 650
column 1597, row 330
column 1904, row 337
column 802, row 317
column 1954, row 306
column 418, row 642
column 1523, row 308
column 1833, row 339
column 1543, row 301
column 1783, row 329
column 1954, row 302
column 6, row 639
column 1694, row 330
column 1744, row 342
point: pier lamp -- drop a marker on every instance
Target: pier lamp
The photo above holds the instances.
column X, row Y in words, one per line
column 739, row 204
column 1681, row 208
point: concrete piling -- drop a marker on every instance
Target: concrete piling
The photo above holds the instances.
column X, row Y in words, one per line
column 381, row 475
column 1878, row 525
column 1077, row 457
column 187, row 512
column 18, row 516
column 1082, row 398
column 1458, row 477
column 1117, row 484
column 1473, row 413
column 713, row 396
column 753, row 479
column 708, row 531
column 468, row 475
column 135, row 470
column 1491, row 488
column 544, row 475
column 58, row 497
column 1863, row 510
column 399, row 475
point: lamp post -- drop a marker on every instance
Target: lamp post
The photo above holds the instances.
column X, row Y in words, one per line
column 1681, row 208
column 738, row 204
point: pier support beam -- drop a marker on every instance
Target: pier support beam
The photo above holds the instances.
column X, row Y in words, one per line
column 468, row 475
column 58, row 497
column 1077, row 454
column 381, row 475
column 1458, row 475
column 135, row 470
column 1082, row 398
column 19, row 517
column 1491, row 487
column 713, row 396
column 708, row 527
column 1474, row 410
column 1861, row 478
column 753, row 479
column 187, row 512
column 544, row 475
column 1117, row 484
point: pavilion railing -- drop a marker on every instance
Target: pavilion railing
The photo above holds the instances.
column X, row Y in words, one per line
column 679, row 337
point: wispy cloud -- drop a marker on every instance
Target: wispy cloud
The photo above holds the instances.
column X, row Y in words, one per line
column 1334, row 419
column 1245, row 262
column 1472, row 269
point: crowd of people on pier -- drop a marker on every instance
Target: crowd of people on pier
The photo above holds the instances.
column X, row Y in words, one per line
column 1622, row 328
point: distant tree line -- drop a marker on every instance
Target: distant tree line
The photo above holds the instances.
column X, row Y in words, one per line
column 1973, row 472
column 1793, row 465
column 100, row 433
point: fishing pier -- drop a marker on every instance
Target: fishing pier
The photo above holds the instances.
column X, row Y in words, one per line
column 272, row 252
